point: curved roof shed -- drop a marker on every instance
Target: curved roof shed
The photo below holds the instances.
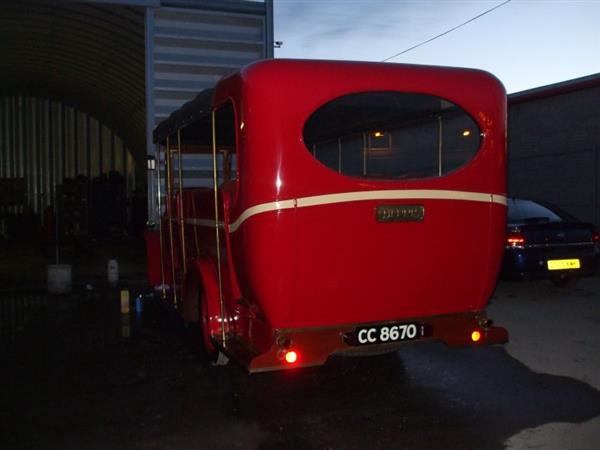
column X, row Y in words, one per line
column 90, row 56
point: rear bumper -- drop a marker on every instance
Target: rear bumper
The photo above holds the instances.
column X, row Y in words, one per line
column 315, row 345
column 531, row 264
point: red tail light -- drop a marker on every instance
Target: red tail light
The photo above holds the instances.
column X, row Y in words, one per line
column 596, row 237
column 291, row 357
column 515, row 240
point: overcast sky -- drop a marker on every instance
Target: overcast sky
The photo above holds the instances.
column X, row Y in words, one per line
column 525, row 43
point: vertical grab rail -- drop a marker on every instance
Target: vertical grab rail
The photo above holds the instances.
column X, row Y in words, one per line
column 169, row 177
column 160, row 227
column 365, row 149
column 339, row 155
column 440, row 144
column 218, row 243
column 180, row 213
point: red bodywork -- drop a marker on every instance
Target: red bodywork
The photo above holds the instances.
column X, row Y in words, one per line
column 304, row 272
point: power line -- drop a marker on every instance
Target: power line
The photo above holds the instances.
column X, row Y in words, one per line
column 446, row 32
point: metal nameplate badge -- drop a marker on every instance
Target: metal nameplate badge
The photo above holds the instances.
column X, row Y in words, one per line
column 400, row 213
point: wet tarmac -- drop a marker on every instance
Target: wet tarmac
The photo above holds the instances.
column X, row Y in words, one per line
column 79, row 374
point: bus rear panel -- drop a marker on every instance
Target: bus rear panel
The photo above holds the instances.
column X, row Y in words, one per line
column 359, row 207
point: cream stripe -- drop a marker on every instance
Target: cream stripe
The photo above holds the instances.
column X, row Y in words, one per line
column 264, row 207
column 500, row 199
column 345, row 197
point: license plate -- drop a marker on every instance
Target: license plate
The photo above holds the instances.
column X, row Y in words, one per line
column 563, row 264
column 385, row 334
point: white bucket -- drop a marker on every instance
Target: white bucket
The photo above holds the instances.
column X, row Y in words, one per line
column 112, row 271
column 59, row 278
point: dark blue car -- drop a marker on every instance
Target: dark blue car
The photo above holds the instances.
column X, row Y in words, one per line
column 544, row 242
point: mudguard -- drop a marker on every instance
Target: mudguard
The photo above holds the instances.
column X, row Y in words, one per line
column 210, row 288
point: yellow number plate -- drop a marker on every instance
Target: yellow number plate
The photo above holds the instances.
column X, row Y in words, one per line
column 562, row 264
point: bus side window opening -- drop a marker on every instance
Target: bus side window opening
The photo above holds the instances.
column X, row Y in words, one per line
column 226, row 143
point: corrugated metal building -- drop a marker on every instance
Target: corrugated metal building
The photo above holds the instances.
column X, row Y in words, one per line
column 554, row 146
column 83, row 83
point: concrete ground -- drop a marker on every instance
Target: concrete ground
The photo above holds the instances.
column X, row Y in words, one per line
column 554, row 331
column 78, row 374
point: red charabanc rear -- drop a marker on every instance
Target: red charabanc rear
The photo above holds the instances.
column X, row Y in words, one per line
column 359, row 206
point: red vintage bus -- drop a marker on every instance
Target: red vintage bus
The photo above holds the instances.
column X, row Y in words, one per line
column 312, row 208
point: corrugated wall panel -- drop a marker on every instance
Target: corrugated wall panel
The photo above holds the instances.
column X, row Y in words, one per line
column 194, row 48
column 43, row 142
column 190, row 46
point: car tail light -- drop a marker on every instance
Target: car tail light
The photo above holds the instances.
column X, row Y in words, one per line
column 515, row 240
column 596, row 237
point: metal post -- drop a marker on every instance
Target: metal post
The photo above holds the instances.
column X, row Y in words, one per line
column 364, row 154
column 56, row 231
column 37, row 159
column 57, row 179
column 269, row 40
column 34, row 149
column 113, row 156
column 88, row 168
column 88, row 146
column 25, row 143
column 51, row 157
column 195, row 227
column 217, row 239
column 47, row 156
column 339, row 155
column 440, row 143
column 160, row 230
column 100, row 150
column 169, row 205
column 3, row 149
column 180, row 215
column 597, row 186
column 76, row 144
column 153, row 214
column 126, row 174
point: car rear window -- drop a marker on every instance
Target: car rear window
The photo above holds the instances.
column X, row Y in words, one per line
column 392, row 135
column 530, row 211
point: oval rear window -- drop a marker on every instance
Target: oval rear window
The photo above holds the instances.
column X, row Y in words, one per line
column 392, row 135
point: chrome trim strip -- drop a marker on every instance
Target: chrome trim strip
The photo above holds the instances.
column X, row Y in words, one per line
column 344, row 197
column 202, row 222
column 559, row 244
